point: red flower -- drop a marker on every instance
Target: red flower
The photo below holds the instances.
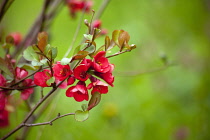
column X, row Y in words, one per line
column 98, row 86
column 70, row 80
column 17, row 37
column 101, row 63
column 97, row 24
column 20, row 73
column 3, row 100
column 61, row 72
column 80, row 72
column 26, row 92
column 79, row 92
column 4, row 118
column 78, row 5
column 40, row 78
column 108, row 77
column 2, row 92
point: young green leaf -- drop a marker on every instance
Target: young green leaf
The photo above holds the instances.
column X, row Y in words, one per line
column 81, row 115
column 65, row 61
column 50, row 81
column 88, row 36
column 30, row 55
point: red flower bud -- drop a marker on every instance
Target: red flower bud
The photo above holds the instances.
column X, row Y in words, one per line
column 17, row 37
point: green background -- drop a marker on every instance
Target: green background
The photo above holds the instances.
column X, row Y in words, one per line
column 171, row 104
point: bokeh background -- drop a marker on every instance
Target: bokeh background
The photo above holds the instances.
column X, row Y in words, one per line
column 169, row 104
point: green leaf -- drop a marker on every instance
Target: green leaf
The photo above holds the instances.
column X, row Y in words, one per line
column 50, row 81
column 65, row 61
column 107, row 42
column 4, row 67
column 84, row 107
column 88, row 36
column 26, row 66
column 36, row 63
column 91, row 49
column 94, row 101
column 30, row 55
column 44, row 61
column 54, row 52
column 81, row 115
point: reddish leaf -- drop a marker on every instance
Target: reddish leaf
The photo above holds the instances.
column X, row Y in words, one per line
column 123, row 38
column 94, row 101
column 42, row 40
column 107, row 42
column 80, row 55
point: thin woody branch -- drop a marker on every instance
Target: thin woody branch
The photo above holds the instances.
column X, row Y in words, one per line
column 49, row 122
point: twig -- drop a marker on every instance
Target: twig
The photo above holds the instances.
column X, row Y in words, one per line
column 26, row 77
column 75, row 34
column 101, row 9
column 132, row 73
column 49, row 122
column 31, row 112
column 17, row 88
column 4, row 7
column 118, row 53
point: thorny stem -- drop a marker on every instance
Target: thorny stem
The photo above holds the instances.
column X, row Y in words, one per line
column 31, row 112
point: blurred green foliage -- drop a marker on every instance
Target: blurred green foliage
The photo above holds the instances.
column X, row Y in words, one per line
column 172, row 104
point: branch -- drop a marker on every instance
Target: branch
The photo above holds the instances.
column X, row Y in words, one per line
column 137, row 73
column 49, row 122
column 31, row 112
column 118, row 53
column 17, row 88
column 4, row 7
column 101, row 9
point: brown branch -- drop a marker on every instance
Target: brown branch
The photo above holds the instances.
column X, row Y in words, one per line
column 118, row 53
column 137, row 73
column 17, row 88
column 49, row 122
column 101, row 9
column 4, row 7
column 31, row 112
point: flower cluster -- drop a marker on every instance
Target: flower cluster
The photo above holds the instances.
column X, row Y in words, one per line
column 87, row 69
column 23, row 86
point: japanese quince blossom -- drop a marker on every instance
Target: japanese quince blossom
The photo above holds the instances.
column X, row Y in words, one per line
column 20, row 73
column 61, row 72
column 4, row 118
column 25, row 93
column 98, row 86
column 79, row 92
column 40, row 78
column 78, row 5
column 81, row 71
column 101, row 63
column 17, row 37
column 3, row 98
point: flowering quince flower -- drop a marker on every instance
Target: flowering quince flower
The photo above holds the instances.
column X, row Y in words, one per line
column 20, row 73
column 3, row 98
column 98, row 86
column 40, row 78
column 70, row 80
column 78, row 5
column 79, row 92
column 26, row 92
column 17, row 37
column 97, row 24
column 4, row 118
column 101, row 63
column 61, row 72
column 108, row 77
column 80, row 72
